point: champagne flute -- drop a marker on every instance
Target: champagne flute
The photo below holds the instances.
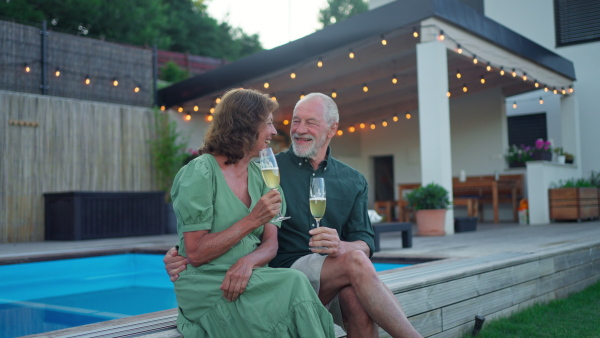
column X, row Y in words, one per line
column 270, row 173
column 317, row 201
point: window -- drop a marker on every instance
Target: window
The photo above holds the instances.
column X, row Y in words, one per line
column 576, row 21
column 525, row 129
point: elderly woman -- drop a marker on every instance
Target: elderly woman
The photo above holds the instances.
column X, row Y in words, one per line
column 224, row 218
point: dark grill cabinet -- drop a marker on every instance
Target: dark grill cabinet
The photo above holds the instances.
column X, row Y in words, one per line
column 91, row 215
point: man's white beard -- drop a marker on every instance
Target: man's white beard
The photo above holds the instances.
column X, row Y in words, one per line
column 309, row 151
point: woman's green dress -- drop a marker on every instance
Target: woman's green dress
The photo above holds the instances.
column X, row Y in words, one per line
column 276, row 302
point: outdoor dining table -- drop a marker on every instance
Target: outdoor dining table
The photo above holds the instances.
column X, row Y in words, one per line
column 483, row 188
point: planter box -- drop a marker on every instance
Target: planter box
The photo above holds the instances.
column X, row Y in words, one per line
column 93, row 215
column 463, row 224
column 573, row 203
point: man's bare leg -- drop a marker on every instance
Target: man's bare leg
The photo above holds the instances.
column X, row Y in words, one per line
column 356, row 319
column 355, row 269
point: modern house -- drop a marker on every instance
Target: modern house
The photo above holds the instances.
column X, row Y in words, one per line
column 422, row 88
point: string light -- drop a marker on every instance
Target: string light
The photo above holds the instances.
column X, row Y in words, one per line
column 536, row 84
column 333, row 94
column 448, row 94
column 136, row 89
column 501, row 70
column 415, row 32
column 163, row 108
column 351, row 129
column 196, row 108
column 87, row 80
column 362, row 125
column 408, row 116
column 115, row 82
column 286, row 122
column 340, row 132
column 394, row 79
column 384, row 123
column 458, row 74
column 482, row 80
column 188, row 117
column 209, row 118
column 351, row 54
column 383, row 40
column 524, row 76
column 541, row 100
column 27, row 68
column 395, row 118
column 218, row 100
column 458, row 49
column 475, row 59
column 515, row 105
column 571, row 90
column 563, row 91
column 57, row 72
column 373, row 126
column 180, row 109
column 514, row 73
column 488, row 67
column 465, row 89
column 211, row 110
column 546, row 89
column 555, row 91
column 365, row 88
column 441, row 36
column 266, row 85
column 273, row 97
column 292, row 75
column 320, row 63
column 301, row 96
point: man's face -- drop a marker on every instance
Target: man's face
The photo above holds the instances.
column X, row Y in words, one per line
column 309, row 131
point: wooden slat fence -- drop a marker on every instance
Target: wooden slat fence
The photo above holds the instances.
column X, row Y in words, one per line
column 76, row 146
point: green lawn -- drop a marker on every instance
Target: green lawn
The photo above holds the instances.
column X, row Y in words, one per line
column 576, row 316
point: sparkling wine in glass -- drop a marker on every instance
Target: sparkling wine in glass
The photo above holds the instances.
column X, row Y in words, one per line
column 317, row 200
column 270, row 173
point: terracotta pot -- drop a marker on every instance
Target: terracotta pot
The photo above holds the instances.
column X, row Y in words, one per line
column 431, row 222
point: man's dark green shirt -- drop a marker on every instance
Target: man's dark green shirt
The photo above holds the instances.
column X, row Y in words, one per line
column 346, row 211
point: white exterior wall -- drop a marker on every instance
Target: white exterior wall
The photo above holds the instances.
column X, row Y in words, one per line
column 517, row 15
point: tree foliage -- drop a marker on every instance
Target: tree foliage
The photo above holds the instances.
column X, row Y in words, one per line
column 176, row 25
column 339, row 10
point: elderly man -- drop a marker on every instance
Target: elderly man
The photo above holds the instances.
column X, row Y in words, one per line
column 340, row 272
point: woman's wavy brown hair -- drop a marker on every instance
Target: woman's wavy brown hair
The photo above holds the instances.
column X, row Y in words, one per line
column 236, row 123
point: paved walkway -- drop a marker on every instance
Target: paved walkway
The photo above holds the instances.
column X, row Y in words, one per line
column 488, row 239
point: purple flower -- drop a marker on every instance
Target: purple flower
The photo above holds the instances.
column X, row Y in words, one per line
column 539, row 143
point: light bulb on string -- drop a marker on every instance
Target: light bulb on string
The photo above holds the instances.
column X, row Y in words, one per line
column 541, row 100
column 571, row 90
column 524, row 76
column 441, row 36
column 488, row 67
column 383, row 40
column 384, row 123
column 273, row 98
column 209, row 118
column 394, row 79
column 320, row 63
column 555, row 91
column 333, row 94
column 163, row 108
column 218, row 100
column 514, row 105
column 292, row 75
column 475, row 59
column 465, row 88
column 188, row 117
column 352, row 129
column 501, row 71
column 266, row 84
column 415, row 32
column 286, row 122
column 27, row 68
column 351, row 54
column 408, row 116
column 115, row 82
column 180, row 109
column 373, row 126
column 196, row 108
column 87, row 80
column 340, row 132
column 546, row 89
column 365, row 88
column 211, row 110
column 482, row 80
column 448, row 94
column 301, row 96
column 563, row 91
column 536, row 84
column 57, row 72
column 459, row 50
column 136, row 89
column 458, row 74
column 362, row 125
column 395, row 118
column 514, row 73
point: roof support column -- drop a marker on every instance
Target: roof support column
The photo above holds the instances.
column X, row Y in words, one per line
column 434, row 119
column 569, row 121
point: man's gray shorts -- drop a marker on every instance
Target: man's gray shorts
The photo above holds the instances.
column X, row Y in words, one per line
column 311, row 266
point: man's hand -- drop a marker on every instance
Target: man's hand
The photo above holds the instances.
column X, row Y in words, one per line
column 236, row 280
column 326, row 237
column 174, row 263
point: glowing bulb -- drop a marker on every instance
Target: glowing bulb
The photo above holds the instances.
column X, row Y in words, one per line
column 448, row 94
column 362, row 126
column 571, row 90
column 218, row 100
column 465, row 89
column 320, row 63
column 57, row 72
column 555, row 91
column 373, row 126
column 212, row 110
column 273, row 98
column 537, row 84
column 563, row 91
column 515, row 105
column 87, row 80
column 340, row 132
column 541, row 100
column 27, row 68
column 180, row 109
column 546, row 89
column 441, row 37
column 286, row 122
column 384, row 123
column 408, row 116
column 301, row 96
column 365, row 88
column 266, row 85
column 395, row 118
column 293, row 75
column 514, row 73
column 351, row 129
column 488, row 67
column 458, row 49
column 475, row 59
column 163, row 108
column 136, row 89
column 383, row 40
column 482, row 80
column 209, row 118
column 415, row 33
column 196, row 108
column 351, row 54
column 188, row 117
column 333, row 94
column 115, row 82
column 458, row 74
column 524, row 77
column 502, row 71
column 394, row 79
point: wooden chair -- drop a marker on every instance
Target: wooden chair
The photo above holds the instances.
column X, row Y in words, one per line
column 403, row 209
column 471, row 203
column 385, row 208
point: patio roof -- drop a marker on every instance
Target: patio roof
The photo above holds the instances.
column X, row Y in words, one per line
column 376, row 64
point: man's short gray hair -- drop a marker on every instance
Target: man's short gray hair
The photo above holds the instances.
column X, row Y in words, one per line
column 330, row 110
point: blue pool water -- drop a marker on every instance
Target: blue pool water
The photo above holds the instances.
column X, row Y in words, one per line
column 53, row 295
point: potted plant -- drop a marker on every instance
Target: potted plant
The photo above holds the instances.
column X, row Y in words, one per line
column 569, row 158
column 518, row 155
column 575, row 199
column 168, row 153
column 430, row 203
column 542, row 150
column 560, row 155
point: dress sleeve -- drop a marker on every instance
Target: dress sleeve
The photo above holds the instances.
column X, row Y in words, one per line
column 193, row 196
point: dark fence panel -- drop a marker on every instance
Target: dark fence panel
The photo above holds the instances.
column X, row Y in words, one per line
column 75, row 57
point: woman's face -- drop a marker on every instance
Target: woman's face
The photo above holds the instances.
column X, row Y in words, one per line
column 265, row 133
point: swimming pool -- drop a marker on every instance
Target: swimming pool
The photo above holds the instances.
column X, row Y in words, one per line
column 53, row 295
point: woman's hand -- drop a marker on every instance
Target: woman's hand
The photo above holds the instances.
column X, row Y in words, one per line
column 174, row 263
column 236, row 279
column 266, row 208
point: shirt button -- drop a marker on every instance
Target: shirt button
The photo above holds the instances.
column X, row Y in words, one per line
column 300, row 163
column 313, row 174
